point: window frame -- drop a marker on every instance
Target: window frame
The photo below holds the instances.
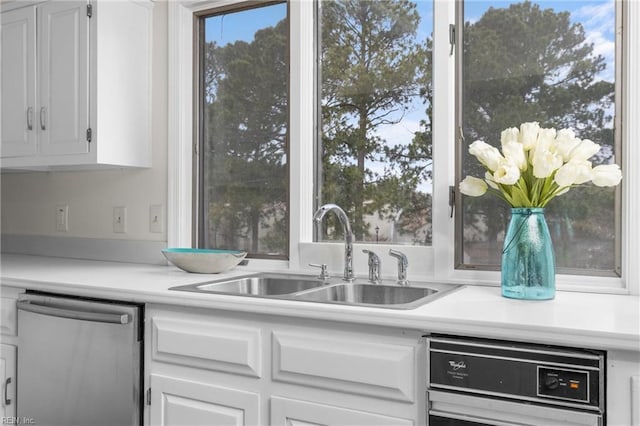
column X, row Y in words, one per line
column 434, row 263
column 199, row 220
column 460, row 152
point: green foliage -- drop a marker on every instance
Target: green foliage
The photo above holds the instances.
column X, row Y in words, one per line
column 373, row 68
column 521, row 63
column 524, row 63
column 245, row 119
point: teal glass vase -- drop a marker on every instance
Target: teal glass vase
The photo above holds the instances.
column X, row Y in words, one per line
column 528, row 261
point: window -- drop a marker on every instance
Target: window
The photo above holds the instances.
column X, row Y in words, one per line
column 322, row 123
column 242, row 162
column 374, row 149
column 554, row 63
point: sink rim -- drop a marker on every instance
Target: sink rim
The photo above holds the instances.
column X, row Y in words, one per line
column 198, row 287
column 428, row 298
column 441, row 289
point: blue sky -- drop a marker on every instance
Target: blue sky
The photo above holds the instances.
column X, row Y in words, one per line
column 243, row 25
column 595, row 15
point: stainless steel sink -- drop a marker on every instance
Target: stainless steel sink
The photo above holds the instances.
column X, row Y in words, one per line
column 310, row 289
column 368, row 294
column 257, row 285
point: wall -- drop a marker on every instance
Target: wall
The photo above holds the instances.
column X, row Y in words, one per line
column 29, row 200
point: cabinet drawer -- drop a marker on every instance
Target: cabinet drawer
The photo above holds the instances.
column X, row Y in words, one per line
column 286, row 411
column 207, row 344
column 354, row 364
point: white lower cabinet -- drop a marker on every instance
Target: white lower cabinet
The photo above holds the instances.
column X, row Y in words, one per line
column 291, row 412
column 223, row 368
column 623, row 388
column 8, row 351
column 182, row 402
column 8, row 381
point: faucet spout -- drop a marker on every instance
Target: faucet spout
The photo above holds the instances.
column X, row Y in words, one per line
column 348, row 235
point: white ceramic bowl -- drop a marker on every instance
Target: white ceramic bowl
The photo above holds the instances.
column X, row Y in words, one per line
column 204, row 261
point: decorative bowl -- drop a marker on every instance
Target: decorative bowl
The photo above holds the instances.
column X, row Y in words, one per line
column 204, row 261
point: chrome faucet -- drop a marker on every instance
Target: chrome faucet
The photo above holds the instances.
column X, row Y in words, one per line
column 403, row 264
column 374, row 267
column 348, row 235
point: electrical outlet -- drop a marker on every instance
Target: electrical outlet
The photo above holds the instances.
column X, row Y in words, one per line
column 156, row 218
column 120, row 220
column 62, row 218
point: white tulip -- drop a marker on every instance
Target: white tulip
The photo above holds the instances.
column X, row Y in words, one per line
column 514, row 152
column 473, row 186
column 606, row 175
column 574, row 172
column 566, row 141
column 486, row 154
column 529, row 134
column 507, row 174
column 584, row 150
column 545, row 140
column 545, row 163
column 488, row 177
column 509, row 135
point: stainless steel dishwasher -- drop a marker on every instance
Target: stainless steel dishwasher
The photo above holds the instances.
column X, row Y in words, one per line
column 79, row 361
column 476, row 382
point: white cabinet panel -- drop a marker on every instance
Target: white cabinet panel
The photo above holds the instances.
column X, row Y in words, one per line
column 635, row 400
column 18, row 50
column 352, row 363
column 8, row 316
column 623, row 399
column 7, row 381
column 207, row 344
column 63, row 116
column 178, row 402
column 76, row 85
column 207, row 367
column 291, row 412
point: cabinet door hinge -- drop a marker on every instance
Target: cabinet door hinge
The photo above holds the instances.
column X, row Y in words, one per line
column 89, row 10
column 89, row 134
column 148, row 396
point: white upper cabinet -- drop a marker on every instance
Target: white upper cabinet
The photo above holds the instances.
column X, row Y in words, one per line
column 63, row 116
column 18, row 82
column 77, row 95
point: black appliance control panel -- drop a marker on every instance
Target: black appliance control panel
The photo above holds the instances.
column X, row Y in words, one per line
column 571, row 385
column 549, row 375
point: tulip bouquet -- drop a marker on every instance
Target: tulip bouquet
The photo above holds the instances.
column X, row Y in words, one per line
column 536, row 165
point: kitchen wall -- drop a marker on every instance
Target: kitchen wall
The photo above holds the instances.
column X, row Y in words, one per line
column 29, row 200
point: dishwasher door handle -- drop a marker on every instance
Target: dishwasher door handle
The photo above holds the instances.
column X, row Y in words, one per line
column 29, row 306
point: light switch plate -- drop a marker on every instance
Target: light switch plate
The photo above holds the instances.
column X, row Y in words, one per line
column 62, row 218
column 156, row 218
column 120, row 220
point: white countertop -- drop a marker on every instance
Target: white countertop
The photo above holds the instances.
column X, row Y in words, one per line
column 598, row 321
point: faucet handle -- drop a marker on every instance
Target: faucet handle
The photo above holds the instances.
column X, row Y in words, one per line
column 323, row 270
column 403, row 264
column 374, row 266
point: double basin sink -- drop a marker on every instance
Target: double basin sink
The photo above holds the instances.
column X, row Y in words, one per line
column 310, row 289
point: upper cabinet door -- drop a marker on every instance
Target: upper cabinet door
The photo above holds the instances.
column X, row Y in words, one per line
column 18, row 34
column 63, row 116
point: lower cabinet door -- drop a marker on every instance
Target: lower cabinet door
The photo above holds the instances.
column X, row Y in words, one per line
column 7, row 382
column 179, row 402
column 291, row 412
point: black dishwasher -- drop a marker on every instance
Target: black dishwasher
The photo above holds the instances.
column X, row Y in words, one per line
column 477, row 382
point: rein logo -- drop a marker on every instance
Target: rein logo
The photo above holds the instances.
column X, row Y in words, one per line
column 457, row 365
